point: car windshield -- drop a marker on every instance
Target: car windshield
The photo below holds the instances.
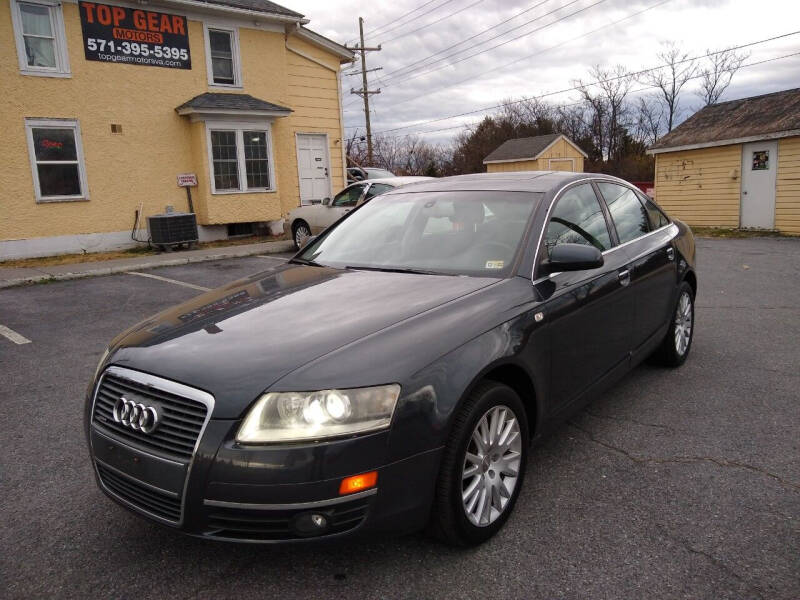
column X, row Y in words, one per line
column 378, row 173
column 452, row 233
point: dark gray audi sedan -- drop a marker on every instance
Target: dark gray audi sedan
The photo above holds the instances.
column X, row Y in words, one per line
column 393, row 375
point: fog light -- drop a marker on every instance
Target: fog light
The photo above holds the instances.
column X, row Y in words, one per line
column 356, row 483
column 311, row 523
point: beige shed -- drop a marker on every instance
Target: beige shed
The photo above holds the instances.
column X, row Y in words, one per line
column 552, row 152
column 734, row 164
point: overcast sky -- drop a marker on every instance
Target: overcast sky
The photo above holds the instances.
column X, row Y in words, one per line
column 548, row 54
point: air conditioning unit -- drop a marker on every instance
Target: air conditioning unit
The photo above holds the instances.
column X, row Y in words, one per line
column 172, row 228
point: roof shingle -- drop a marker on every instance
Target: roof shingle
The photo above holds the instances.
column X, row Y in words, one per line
column 520, row 148
column 264, row 6
column 744, row 118
column 215, row 100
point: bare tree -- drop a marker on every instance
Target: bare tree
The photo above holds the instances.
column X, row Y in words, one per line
column 717, row 73
column 607, row 107
column 614, row 86
column 677, row 69
column 649, row 120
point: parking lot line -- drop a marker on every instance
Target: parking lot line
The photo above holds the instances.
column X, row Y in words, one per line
column 13, row 335
column 272, row 257
column 175, row 281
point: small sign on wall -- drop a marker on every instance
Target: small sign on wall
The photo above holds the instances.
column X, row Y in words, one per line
column 761, row 160
column 134, row 36
column 187, row 180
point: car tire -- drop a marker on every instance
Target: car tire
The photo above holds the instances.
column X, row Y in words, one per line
column 677, row 342
column 300, row 231
column 452, row 520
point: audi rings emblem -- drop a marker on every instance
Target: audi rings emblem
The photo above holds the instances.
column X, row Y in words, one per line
column 135, row 415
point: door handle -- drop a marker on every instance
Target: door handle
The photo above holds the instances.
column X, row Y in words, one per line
column 671, row 253
column 624, row 277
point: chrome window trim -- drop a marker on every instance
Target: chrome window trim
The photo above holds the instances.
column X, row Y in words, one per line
column 291, row 506
column 638, row 239
column 557, row 197
column 165, row 385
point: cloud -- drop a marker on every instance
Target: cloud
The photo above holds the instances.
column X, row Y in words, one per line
column 557, row 52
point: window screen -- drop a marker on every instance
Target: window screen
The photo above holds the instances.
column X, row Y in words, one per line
column 226, row 163
column 57, row 165
column 222, row 68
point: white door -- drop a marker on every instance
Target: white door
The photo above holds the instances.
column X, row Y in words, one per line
column 313, row 167
column 759, row 168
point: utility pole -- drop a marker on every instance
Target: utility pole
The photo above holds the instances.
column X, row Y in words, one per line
column 365, row 92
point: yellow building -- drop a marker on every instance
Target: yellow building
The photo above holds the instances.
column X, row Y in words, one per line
column 104, row 106
column 734, row 164
column 553, row 152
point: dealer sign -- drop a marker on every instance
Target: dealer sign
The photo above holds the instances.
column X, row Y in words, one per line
column 134, row 36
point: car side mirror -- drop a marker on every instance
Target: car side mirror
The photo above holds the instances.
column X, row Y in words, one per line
column 307, row 241
column 326, row 202
column 571, row 257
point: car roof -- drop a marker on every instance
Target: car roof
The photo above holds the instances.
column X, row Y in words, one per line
column 396, row 181
column 519, row 181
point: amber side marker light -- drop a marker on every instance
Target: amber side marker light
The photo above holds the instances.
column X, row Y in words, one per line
column 357, row 483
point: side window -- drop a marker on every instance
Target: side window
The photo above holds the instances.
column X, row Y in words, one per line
column 56, row 160
column 40, row 38
column 578, row 219
column 222, row 52
column 629, row 216
column 348, row 196
column 657, row 218
column 376, row 189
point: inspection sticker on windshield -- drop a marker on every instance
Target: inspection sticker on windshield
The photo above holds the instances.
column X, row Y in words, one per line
column 495, row 264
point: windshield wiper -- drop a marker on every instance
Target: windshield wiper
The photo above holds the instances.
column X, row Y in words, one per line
column 393, row 270
column 305, row 261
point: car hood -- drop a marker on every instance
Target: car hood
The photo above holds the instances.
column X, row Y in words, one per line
column 236, row 341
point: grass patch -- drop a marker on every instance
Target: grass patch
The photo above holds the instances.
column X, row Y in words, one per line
column 90, row 257
column 733, row 233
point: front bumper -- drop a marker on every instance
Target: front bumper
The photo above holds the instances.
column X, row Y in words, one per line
column 264, row 494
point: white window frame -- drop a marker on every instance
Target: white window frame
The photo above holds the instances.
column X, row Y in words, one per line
column 239, row 127
column 237, row 62
column 59, row 36
column 30, row 125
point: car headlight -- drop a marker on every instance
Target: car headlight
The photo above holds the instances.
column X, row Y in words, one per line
column 298, row 416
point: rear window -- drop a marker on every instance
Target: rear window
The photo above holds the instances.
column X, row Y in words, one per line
column 657, row 218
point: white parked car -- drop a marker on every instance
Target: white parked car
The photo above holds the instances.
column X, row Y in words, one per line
column 312, row 219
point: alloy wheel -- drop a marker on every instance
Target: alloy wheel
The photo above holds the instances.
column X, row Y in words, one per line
column 301, row 233
column 491, row 465
column 683, row 324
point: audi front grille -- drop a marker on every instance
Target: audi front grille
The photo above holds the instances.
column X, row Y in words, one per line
column 180, row 419
column 150, row 499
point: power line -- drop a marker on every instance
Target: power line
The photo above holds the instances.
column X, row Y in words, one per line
column 639, row 91
column 399, row 25
column 462, row 59
column 529, row 56
column 393, row 21
column 390, row 75
column 472, row 37
column 610, row 79
column 444, row 18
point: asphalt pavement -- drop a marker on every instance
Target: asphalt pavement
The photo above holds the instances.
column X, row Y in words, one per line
column 674, row 484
